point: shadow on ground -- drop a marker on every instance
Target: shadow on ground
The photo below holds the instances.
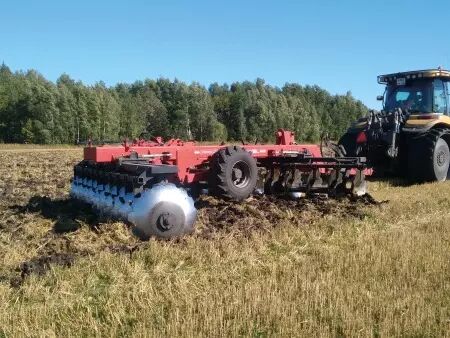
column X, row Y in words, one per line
column 68, row 214
column 57, row 247
column 392, row 181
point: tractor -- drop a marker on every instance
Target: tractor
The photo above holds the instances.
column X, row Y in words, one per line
column 410, row 136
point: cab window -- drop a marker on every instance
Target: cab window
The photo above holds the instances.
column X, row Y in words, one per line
column 439, row 97
column 415, row 96
column 447, row 85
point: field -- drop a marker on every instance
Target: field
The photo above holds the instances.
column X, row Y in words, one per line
column 259, row 268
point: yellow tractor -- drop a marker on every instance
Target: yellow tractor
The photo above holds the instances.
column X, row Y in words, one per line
column 411, row 135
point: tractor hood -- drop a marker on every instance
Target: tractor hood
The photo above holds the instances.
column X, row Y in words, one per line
column 422, row 122
column 404, row 118
column 414, row 123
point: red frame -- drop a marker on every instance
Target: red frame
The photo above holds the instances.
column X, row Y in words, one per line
column 190, row 157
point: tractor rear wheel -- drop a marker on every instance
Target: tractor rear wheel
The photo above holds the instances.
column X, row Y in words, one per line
column 429, row 156
column 233, row 173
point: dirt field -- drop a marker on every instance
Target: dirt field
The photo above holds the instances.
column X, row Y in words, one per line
column 258, row 268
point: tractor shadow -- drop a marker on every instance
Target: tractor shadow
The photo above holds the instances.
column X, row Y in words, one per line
column 391, row 181
column 67, row 214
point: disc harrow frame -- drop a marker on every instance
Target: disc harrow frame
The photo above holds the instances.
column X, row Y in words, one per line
column 164, row 177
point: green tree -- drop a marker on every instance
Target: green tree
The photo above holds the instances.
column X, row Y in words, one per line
column 33, row 109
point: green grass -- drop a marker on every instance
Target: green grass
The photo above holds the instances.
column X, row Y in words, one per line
column 381, row 271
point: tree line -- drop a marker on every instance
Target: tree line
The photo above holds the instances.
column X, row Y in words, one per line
column 36, row 110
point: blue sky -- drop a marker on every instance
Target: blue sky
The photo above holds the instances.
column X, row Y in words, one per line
column 338, row 45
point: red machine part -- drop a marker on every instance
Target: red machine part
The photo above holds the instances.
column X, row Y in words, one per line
column 152, row 183
column 190, row 157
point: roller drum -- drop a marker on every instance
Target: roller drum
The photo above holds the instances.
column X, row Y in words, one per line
column 164, row 211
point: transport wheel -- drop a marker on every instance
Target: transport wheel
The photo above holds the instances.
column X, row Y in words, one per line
column 233, row 173
column 429, row 156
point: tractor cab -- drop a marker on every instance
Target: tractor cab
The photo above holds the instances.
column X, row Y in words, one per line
column 417, row 92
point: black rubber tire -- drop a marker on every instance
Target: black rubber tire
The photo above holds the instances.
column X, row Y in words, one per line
column 348, row 141
column 429, row 156
column 223, row 170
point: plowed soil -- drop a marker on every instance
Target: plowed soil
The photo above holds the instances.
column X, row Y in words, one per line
column 263, row 267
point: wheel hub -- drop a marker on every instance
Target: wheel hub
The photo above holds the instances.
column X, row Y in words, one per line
column 166, row 221
column 441, row 158
column 237, row 174
column 240, row 174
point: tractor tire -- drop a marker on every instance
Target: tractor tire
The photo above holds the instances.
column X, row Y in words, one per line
column 429, row 156
column 348, row 141
column 233, row 174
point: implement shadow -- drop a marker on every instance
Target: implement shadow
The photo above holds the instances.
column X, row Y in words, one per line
column 68, row 214
column 55, row 249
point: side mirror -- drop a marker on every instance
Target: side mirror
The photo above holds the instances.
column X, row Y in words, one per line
column 380, row 98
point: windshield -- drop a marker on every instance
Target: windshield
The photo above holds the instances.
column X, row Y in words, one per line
column 414, row 96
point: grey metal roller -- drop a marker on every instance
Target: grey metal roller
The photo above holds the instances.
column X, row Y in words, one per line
column 162, row 211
